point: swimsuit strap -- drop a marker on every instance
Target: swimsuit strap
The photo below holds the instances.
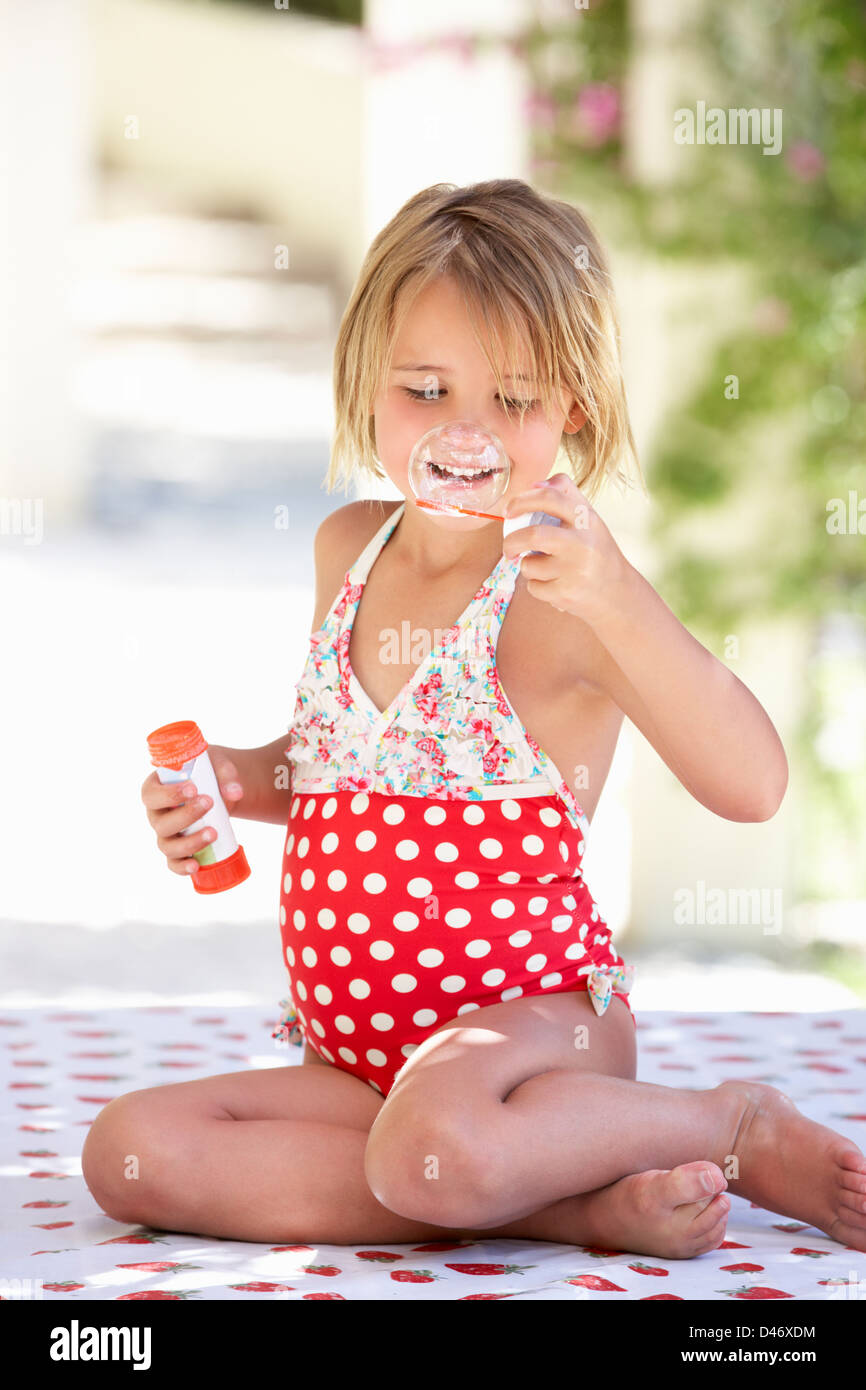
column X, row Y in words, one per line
column 357, row 573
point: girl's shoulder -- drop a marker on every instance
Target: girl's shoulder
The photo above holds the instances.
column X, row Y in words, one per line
column 339, row 540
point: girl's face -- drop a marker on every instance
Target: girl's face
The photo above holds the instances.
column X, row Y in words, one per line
column 436, row 352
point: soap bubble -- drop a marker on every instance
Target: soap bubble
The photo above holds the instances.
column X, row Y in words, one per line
column 459, row 467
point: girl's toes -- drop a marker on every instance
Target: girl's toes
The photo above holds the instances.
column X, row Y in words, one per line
column 700, row 1181
column 714, row 1237
column 712, row 1215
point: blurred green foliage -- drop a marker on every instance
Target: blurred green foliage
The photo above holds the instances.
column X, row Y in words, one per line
column 795, row 222
column 341, row 11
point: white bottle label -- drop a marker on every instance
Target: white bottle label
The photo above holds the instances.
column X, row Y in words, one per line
column 200, row 772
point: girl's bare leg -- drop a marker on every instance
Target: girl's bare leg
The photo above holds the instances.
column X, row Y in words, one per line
column 205, row 1170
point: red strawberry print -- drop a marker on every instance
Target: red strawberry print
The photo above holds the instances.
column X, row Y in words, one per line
column 755, row 1292
column 329, row 1270
column 133, row 1240
column 732, row 1245
column 258, row 1287
column 598, row 1252
column 53, row 1225
column 741, row 1268
column 489, row 1269
column 159, row 1266
column 595, row 1281
column 659, row 1297
column 46, row 1203
column 413, row 1276
column 648, row 1269
column 804, row 1250
column 383, row 1256
column 67, row 1287
column 475, row 1297
column 341, row 1296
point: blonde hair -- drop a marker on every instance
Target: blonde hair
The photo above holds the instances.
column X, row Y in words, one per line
column 533, row 270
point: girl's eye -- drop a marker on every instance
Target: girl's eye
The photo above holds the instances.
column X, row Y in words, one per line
column 417, row 395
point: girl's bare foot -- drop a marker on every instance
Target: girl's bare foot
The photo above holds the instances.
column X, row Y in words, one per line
column 674, row 1213
column 791, row 1165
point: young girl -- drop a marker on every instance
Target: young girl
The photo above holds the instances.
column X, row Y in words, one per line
column 470, row 1059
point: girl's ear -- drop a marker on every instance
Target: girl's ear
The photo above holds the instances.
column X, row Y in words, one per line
column 575, row 419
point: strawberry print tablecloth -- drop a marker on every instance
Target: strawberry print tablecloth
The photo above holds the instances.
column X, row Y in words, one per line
column 59, row 1068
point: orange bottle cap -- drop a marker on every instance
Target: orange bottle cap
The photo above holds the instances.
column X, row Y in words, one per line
column 172, row 745
column 213, row 878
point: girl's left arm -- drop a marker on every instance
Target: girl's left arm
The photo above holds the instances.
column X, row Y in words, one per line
column 705, row 724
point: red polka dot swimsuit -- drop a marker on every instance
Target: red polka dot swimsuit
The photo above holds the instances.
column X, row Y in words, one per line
column 433, row 850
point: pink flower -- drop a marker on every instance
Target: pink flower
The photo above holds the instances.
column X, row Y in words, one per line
column 596, row 117
column 806, row 161
column 540, row 109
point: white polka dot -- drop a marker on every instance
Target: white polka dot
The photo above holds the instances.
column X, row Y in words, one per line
column 493, row 977
column 545, row 878
column 562, row 922
column 282, row 914
column 453, row 983
column 340, row 956
column 359, row 989
column 326, row 918
column 287, row 882
column 511, row 810
column 502, row 907
column 290, row 844
column 549, row 816
column 357, row 922
column 575, row 951
column 381, row 950
column 290, row 955
column 473, row 815
column 300, row 989
column 532, row 844
column 458, row 917
column 393, row 815
column 520, row 938
column 382, row 1022
column 330, row 842
column 434, row 815
column 375, row 883
column 446, row 853
column 299, row 919
column 303, row 846
column 406, row 921
column 308, row 878
column 296, row 806
column 580, row 847
column 336, row 880
column 430, row 957
column 375, row 1057
column 359, row 804
column 468, row 1007
column 514, row 992
column 477, row 948
column 344, row 1023
column 563, row 849
column 366, row 840
column 536, row 906
column 419, row 887
column 347, row 1055
column 547, row 981
column 424, row 1018
column 318, row 1027
column 509, row 877
column 323, row 994
column 310, row 807
column 536, row 962
column 569, row 900
column 491, row 849
column 404, row 984
column 376, row 1087
column 329, row 808
column 309, row 957
column 467, row 879
column 406, row 849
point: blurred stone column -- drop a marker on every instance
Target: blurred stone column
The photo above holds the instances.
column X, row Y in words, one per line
column 434, row 114
column 44, row 178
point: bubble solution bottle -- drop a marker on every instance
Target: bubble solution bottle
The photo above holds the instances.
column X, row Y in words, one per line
column 179, row 754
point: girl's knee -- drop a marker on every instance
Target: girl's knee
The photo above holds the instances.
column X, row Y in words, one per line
column 128, row 1156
